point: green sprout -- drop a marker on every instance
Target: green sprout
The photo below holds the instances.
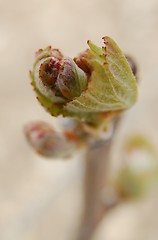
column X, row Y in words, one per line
column 97, row 83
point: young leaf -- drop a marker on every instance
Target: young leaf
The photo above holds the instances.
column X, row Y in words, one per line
column 98, row 81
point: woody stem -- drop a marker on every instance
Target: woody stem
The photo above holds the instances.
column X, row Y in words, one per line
column 97, row 200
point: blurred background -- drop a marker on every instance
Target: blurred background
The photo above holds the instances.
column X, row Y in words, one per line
column 41, row 199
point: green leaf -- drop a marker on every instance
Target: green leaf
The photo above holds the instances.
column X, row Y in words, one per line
column 112, row 85
column 98, row 82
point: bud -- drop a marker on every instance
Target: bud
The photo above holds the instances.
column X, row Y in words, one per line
column 48, row 142
column 71, row 80
column 95, row 84
column 56, row 79
column 132, row 65
column 139, row 174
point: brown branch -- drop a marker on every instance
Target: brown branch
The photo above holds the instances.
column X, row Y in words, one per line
column 99, row 197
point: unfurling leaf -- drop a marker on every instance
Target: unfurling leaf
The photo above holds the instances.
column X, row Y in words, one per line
column 96, row 84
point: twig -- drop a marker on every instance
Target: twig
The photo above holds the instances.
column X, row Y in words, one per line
column 98, row 198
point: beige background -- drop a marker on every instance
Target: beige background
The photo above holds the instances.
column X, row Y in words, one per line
column 43, row 199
